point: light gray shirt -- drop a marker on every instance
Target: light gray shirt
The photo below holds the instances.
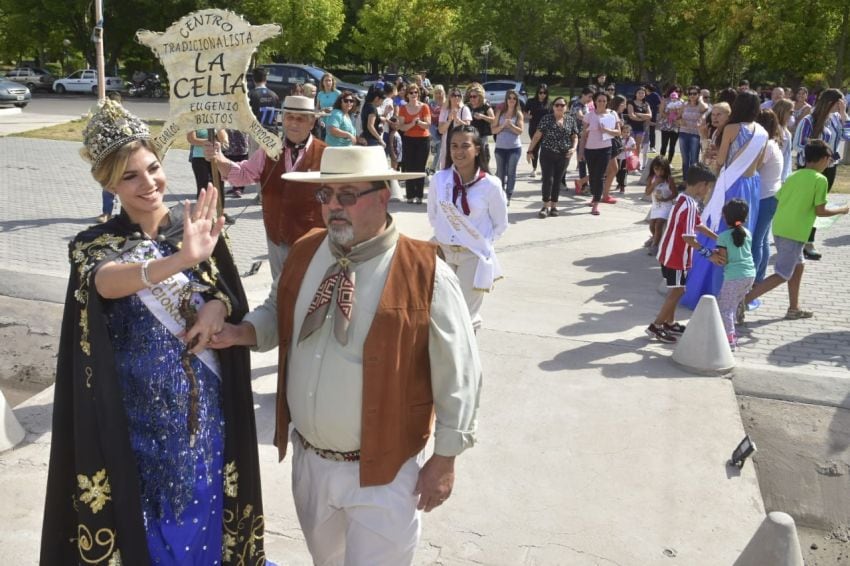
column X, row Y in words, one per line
column 325, row 379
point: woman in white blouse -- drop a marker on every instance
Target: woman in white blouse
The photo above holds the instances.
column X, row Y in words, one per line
column 468, row 210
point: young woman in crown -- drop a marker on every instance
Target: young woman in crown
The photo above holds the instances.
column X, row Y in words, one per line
column 153, row 454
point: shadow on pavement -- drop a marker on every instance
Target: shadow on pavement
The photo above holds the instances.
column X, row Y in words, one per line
column 810, row 349
column 598, row 356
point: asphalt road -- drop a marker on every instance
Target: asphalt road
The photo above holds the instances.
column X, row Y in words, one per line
column 78, row 104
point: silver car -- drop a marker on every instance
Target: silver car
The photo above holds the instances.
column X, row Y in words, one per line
column 14, row 93
column 495, row 92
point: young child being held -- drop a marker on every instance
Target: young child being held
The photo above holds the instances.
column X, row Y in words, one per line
column 660, row 187
column 801, row 198
column 734, row 247
column 629, row 148
column 676, row 255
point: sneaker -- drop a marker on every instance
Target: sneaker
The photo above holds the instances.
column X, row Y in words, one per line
column 659, row 333
column 648, row 243
column 621, row 188
column 733, row 341
column 609, row 200
column 508, row 204
column 675, row 328
column 234, row 193
column 795, row 314
column 653, row 251
column 811, row 253
column 542, row 213
column 754, row 304
column 417, row 200
column 533, row 174
column 553, row 211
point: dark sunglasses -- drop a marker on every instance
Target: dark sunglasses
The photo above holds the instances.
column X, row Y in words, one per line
column 693, row 93
column 559, row 104
column 457, row 94
column 325, row 194
column 348, row 101
column 542, row 92
column 609, row 90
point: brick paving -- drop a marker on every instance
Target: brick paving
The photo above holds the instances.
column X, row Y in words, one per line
column 47, row 196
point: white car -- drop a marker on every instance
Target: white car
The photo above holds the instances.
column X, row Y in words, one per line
column 495, row 92
column 85, row 81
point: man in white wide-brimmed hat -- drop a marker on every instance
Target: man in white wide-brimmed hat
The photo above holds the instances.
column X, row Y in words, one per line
column 375, row 338
column 290, row 209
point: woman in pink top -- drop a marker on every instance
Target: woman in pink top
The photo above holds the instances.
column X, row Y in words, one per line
column 596, row 137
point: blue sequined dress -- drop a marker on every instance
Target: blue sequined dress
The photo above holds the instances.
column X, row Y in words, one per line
column 181, row 485
column 706, row 278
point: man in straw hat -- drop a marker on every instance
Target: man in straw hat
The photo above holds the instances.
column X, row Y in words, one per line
column 290, row 209
column 375, row 338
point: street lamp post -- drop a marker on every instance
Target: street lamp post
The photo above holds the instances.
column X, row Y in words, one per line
column 485, row 50
column 66, row 43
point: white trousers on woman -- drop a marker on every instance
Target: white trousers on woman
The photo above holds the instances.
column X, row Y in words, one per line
column 348, row 525
column 464, row 263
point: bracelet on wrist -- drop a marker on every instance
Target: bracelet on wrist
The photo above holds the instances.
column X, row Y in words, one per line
column 144, row 274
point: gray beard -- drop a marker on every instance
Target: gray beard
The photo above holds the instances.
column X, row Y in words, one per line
column 341, row 236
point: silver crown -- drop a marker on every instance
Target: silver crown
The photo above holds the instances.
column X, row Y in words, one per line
column 111, row 127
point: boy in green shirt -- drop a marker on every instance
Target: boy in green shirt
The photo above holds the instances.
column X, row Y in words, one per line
column 801, row 199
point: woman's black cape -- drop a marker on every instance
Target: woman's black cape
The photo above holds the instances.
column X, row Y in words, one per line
column 93, row 512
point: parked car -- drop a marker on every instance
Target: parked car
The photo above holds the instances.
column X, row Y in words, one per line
column 283, row 76
column 14, row 93
column 85, row 81
column 495, row 91
column 34, row 78
column 388, row 78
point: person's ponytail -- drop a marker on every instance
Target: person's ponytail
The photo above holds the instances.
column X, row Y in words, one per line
column 739, row 234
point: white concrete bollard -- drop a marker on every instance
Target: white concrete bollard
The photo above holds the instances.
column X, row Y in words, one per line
column 775, row 543
column 11, row 431
column 704, row 348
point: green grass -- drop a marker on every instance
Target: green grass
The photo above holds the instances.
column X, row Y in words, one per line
column 73, row 131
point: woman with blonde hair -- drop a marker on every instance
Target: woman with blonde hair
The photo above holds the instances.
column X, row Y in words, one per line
column 438, row 100
column 154, row 451
column 711, row 131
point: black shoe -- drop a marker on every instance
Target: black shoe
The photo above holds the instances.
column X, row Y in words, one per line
column 676, row 329
column 229, row 220
column 812, row 254
column 542, row 213
column 553, row 211
column 661, row 334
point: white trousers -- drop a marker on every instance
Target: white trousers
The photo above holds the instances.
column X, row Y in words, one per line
column 277, row 256
column 464, row 263
column 348, row 525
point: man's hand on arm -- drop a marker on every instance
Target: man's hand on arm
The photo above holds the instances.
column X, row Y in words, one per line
column 242, row 334
column 436, row 479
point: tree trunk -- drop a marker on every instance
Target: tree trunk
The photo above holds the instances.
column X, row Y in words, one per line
column 579, row 54
column 841, row 48
column 640, row 36
column 520, row 64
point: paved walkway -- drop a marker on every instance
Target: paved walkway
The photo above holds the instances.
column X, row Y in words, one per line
column 594, row 449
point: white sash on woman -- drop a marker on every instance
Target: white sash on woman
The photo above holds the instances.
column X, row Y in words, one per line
column 729, row 174
column 488, row 269
column 163, row 299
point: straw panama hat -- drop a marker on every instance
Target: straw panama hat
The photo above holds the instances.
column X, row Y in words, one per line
column 351, row 164
column 294, row 104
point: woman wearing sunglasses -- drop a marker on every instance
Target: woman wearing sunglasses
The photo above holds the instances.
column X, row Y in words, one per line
column 414, row 121
column 508, row 130
column 689, row 129
column 339, row 125
column 454, row 113
column 536, row 108
column 556, row 136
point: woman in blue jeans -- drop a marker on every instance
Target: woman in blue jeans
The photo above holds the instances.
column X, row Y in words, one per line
column 770, row 172
column 507, row 129
column 689, row 129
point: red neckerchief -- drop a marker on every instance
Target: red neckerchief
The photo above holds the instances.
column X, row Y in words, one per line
column 460, row 187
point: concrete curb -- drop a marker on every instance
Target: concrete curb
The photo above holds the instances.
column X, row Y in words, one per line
column 33, row 287
column 796, row 387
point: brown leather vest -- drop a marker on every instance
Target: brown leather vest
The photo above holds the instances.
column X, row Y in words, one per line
column 398, row 406
column 290, row 208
